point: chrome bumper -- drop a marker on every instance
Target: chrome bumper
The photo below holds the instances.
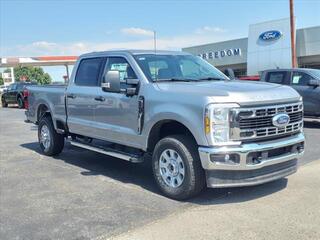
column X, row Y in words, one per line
column 251, row 173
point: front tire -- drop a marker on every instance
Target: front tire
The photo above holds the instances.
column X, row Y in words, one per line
column 177, row 168
column 51, row 142
column 4, row 103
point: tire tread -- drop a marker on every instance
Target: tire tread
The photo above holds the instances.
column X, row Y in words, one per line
column 197, row 175
column 57, row 139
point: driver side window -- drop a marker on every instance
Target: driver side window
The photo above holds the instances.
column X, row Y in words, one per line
column 300, row 78
column 120, row 64
column 12, row 87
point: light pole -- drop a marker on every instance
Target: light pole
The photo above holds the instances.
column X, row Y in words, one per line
column 293, row 36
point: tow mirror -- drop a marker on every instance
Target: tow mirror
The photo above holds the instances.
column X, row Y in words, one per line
column 111, row 81
column 132, row 85
column 314, row 82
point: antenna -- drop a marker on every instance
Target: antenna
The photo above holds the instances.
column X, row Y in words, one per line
column 155, row 41
column 155, row 52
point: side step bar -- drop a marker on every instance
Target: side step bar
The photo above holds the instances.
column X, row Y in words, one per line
column 110, row 152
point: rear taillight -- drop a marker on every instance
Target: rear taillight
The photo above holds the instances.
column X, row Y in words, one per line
column 25, row 98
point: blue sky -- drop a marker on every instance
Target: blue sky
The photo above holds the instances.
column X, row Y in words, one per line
column 36, row 28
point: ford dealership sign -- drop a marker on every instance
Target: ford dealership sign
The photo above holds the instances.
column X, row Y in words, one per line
column 270, row 35
column 221, row 53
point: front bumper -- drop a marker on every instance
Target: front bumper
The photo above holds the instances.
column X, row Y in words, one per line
column 256, row 163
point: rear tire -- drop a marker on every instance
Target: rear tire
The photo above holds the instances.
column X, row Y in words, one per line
column 51, row 142
column 177, row 168
column 20, row 103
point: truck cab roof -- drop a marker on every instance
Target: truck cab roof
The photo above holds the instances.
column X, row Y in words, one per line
column 133, row 52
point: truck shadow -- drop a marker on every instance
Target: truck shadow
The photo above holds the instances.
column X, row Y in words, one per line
column 311, row 123
column 93, row 164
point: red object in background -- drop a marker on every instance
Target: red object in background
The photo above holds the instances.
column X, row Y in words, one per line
column 25, row 98
column 23, row 78
column 250, row 78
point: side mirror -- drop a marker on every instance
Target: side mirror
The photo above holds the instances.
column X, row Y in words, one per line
column 133, row 85
column 229, row 73
column 111, row 82
column 314, row 82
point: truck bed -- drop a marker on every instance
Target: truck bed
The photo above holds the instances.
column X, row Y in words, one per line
column 51, row 96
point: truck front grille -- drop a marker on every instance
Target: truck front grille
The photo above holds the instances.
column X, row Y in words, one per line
column 251, row 123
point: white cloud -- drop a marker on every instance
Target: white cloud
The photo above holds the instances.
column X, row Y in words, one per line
column 40, row 48
column 137, row 31
column 209, row 29
column 43, row 44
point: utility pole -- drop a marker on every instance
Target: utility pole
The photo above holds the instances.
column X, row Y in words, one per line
column 293, row 36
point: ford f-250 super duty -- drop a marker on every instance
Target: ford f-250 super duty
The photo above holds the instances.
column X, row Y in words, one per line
column 198, row 127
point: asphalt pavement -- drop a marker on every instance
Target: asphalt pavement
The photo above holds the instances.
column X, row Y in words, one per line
column 85, row 195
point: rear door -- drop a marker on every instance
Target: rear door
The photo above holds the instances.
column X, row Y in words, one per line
column 81, row 94
column 310, row 94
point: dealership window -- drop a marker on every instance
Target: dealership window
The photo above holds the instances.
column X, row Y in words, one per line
column 88, row 72
column 300, row 78
column 276, row 77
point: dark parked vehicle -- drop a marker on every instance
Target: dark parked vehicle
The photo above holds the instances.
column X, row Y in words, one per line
column 305, row 81
column 15, row 94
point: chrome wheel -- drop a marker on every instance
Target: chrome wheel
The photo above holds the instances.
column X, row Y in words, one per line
column 45, row 137
column 171, row 168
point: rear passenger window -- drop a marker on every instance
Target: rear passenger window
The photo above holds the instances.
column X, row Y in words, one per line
column 88, row 72
column 276, row 77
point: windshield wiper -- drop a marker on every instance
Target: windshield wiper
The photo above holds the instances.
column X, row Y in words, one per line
column 175, row 80
column 212, row 78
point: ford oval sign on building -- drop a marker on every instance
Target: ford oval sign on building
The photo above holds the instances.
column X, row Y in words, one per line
column 270, row 35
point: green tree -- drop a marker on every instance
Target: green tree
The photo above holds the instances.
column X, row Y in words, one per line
column 32, row 74
column 1, row 80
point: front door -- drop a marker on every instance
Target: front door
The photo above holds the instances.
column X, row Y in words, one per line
column 310, row 94
column 81, row 94
column 116, row 116
column 11, row 93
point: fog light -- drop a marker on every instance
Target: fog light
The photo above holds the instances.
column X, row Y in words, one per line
column 300, row 148
column 225, row 158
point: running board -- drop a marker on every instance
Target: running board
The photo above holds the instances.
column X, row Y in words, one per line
column 110, row 152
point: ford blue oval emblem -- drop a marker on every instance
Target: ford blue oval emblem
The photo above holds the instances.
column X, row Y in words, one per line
column 281, row 120
column 270, row 35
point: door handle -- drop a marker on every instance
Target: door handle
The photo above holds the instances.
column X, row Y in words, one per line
column 100, row 98
column 71, row 96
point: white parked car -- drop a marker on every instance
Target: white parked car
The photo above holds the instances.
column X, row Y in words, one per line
column 3, row 88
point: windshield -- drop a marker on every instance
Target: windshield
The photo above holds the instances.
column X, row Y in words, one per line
column 177, row 68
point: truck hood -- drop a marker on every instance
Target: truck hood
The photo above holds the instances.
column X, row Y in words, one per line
column 242, row 92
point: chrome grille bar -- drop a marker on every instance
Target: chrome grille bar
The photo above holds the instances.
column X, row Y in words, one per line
column 252, row 123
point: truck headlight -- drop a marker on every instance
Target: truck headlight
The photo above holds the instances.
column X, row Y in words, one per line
column 217, row 123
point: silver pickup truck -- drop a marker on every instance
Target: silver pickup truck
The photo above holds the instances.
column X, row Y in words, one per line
column 197, row 127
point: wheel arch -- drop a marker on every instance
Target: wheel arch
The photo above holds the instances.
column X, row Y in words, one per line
column 43, row 110
column 166, row 127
